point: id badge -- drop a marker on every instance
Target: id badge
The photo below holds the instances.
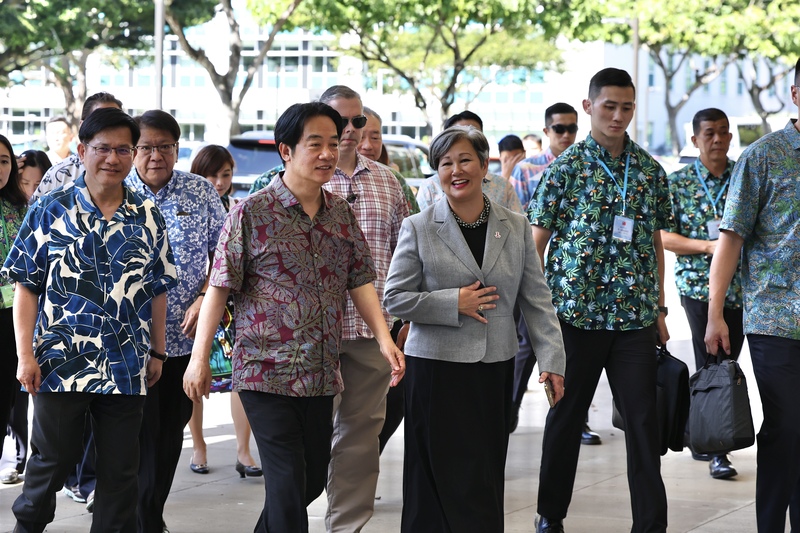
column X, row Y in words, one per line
column 713, row 229
column 623, row 228
column 7, row 296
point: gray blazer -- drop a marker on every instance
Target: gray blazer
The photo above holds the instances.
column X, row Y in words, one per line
column 432, row 262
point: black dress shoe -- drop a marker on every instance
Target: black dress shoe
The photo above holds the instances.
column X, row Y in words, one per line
column 247, row 470
column 545, row 525
column 720, row 467
column 589, row 437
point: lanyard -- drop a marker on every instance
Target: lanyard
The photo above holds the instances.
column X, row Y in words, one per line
column 624, row 190
column 708, row 192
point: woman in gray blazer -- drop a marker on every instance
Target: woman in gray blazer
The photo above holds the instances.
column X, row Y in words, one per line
column 459, row 268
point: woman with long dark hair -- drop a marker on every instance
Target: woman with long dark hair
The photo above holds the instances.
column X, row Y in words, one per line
column 216, row 163
column 13, row 206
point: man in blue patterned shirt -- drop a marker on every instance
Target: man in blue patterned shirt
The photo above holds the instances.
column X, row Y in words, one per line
column 600, row 206
column 698, row 199
column 194, row 215
column 92, row 264
column 760, row 223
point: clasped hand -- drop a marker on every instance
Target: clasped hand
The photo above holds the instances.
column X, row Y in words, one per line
column 473, row 300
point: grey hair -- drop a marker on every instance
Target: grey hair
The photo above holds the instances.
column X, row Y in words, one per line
column 372, row 113
column 442, row 143
column 338, row 91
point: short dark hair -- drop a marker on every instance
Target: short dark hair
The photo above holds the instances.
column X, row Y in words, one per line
column 106, row 118
column 532, row 137
column 446, row 139
column 290, row 125
column 609, row 77
column 509, row 143
column 711, row 114
column 95, row 100
column 159, row 120
column 12, row 191
column 210, row 159
column 36, row 159
column 797, row 73
column 558, row 109
column 338, row 91
column 464, row 115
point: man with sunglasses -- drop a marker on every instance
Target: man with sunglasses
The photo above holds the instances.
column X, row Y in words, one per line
column 561, row 128
column 194, row 215
column 359, row 411
column 89, row 328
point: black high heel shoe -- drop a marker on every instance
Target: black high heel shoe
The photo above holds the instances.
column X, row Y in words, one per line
column 249, row 471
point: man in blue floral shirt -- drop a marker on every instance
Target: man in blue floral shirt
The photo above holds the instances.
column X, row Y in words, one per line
column 698, row 199
column 600, row 206
column 92, row 264
column 194, row 215
column 761, row 224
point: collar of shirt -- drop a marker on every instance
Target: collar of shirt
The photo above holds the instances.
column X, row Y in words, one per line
column 705, row 173
column 792, row 135
column 285, row 196
column 86, row 205
column 142, row 187
column 361, row 166
column 602, row 154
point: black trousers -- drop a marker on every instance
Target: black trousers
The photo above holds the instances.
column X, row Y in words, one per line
column 697, row 315
column 456, row 440
column 83, row 474
column 776, row 363
column 630, row 363
column 8, row 366
column 18, row 429
column 166, row 412
column 57, row 440
column 294, row 443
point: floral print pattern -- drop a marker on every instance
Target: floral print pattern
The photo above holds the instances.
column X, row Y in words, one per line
column 693, row 210
column 598, row 281
column 289, row 276
column 95, row 280
column 194, row 216
column 763, row 207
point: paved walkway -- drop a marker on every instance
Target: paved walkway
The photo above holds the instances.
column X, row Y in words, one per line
column 221, row 502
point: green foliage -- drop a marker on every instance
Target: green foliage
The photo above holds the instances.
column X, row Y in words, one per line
column 436, row 47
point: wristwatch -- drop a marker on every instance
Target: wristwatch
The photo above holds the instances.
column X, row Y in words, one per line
column 662, row 309
column 160, row 356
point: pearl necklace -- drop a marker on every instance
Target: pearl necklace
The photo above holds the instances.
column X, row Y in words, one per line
column 484, row 216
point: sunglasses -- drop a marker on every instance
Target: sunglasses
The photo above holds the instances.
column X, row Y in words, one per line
column 561, row 128
column 358, row 121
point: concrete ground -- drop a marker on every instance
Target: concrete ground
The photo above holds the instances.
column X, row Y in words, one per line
column 220, row 501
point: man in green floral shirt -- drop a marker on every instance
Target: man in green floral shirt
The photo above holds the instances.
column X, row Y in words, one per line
column 599, row 206
column 698, row 199
column 761, row 224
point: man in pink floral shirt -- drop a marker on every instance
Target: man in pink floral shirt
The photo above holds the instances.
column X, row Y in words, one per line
column 291, row 254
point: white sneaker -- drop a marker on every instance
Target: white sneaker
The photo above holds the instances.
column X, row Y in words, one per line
column 9, row 476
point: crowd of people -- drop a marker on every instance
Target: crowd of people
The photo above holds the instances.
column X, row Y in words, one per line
column 335, row 302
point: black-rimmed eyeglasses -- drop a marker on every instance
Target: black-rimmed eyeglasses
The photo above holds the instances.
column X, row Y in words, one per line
column 562, row 128
column 358, row 121
column 163, row 149
column 105, row 151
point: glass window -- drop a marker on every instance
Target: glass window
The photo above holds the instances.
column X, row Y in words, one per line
column 501, row 98
column 519, row 97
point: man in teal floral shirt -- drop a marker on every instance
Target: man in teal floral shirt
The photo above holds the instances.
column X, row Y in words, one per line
column 761, row 223
column 600, row 206
column 698, row 199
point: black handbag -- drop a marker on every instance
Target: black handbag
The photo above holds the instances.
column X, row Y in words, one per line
column 672, row 401
column 719, row 418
